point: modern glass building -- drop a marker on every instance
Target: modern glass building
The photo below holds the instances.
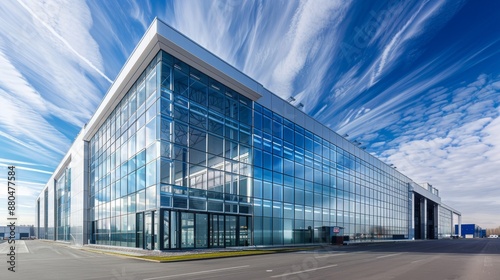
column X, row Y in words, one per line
column 185, row 151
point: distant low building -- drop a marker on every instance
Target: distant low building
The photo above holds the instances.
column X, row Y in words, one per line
column 470, row 231
column 20, row 232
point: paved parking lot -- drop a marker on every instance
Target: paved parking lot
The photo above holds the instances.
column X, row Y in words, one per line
column 439, row 259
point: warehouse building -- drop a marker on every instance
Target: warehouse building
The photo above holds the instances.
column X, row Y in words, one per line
column 470, row 231
column 185, row 151
column 17, row 232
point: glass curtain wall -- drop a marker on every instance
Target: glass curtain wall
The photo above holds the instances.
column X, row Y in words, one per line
column 38, row 213
column 177, row 140
column 205, row 156
column 205, row 142
column 45, row 230
column 124, row 162
column 236, row 171
column 50, row 196
column 63, row 199
column 303, row 182
column 446, row 227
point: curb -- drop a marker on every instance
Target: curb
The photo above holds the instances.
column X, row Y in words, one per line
column 268, row 252
column 118, row 255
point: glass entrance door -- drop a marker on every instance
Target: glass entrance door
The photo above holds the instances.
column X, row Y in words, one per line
column 243, row 231
column 148, row 231
column 187, row 230
column 175, row 237
column 164, row 230
column 231, row 231
column 201, row 230
column 216, row 230
column 139, row 230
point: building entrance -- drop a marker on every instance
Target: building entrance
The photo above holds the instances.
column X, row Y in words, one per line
column 179, row 229
column 425, row 218
column 144, row 230
column 216, row 230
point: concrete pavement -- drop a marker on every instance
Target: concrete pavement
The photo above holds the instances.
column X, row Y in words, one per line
column 438, row 259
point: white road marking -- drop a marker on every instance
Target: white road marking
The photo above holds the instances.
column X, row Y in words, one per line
column 22, row 248
column 73, row 255
column 331, row 255
column 20, row 245
column 198, row 272
column 85, row 253
column 302, row 271
column 386, row 256
column 59, row 259
column 27, row 248
column 4, row 248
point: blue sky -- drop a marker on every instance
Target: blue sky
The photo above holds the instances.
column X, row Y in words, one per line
column 416, row 82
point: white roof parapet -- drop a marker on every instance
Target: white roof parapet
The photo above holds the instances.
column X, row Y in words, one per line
column 161, row 36
column 427, row 193
column 200, row 58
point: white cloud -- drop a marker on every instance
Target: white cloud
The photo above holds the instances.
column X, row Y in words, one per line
column 28, row 169
column 50, row 72
column 308, row 22
column 57, row 18
column 138, row 12
column 57, row 73
column 26, row 127
column 49, row 64
column 461, row 155
column 277, row 51
column 396, row 41
column 398, row 30
column 443, row 133
column 9, row 162
column 26, row 194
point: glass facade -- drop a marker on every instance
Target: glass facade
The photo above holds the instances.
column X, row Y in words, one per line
column 45, row 215
column 185, row 162
column 50, row 212
column 303, row 183
column 177, row 146
column 63, row 198
column 446, row 226
column 124, row 161
column 183, row 158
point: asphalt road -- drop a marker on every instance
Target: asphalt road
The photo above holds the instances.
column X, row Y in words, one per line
column 473, row 259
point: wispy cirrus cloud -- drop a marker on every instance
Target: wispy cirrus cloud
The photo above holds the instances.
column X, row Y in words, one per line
column 392, row 35
column 54, row 17
column 139, row 13
column 7, row 162
column 26, row 194
column 416, row 25
column 51, row 80
column 279, row 52
column 52, row 76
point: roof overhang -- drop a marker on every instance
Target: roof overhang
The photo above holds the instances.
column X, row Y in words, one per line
column 423, row 192
column 161, row 36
